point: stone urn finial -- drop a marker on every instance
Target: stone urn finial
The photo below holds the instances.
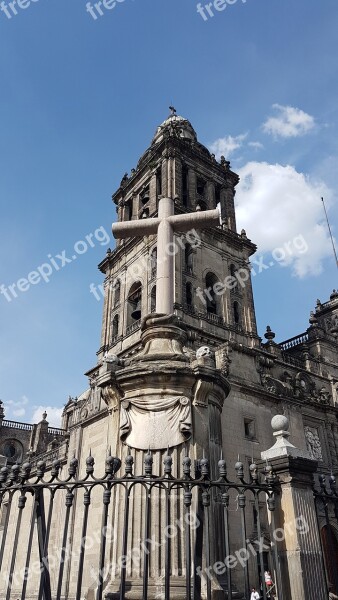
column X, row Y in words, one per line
column 269, row 334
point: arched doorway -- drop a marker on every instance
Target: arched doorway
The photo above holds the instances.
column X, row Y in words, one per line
column 330, row 549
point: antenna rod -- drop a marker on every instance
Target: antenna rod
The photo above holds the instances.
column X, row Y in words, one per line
column 331, row 236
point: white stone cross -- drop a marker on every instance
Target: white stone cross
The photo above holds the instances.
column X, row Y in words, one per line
column 165, row 225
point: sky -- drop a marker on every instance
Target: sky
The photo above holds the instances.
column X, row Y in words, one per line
column 83, row 89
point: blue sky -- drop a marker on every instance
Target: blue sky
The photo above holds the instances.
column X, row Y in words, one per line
column 80, row 101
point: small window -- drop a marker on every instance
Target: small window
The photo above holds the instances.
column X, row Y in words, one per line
column 159, row 181
column 211, row 298
column 144, row 195
column 153, row 300
column 188, row 294
column 236, row 313
column 153, row 263
column 128, row 211
column 249, row 429
column 188, row 258
column 115, row 331
column 134, row 302
column 233, row 270
column 217, row 194
column 200, row 186
column 117, row 292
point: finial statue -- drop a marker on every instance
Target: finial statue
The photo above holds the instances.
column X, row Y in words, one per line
column 172, row 110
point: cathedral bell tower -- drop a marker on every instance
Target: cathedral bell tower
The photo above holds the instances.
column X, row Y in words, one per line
column 173, row 301
column 212, row 284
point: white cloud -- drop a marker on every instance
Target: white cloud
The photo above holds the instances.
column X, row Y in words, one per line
column 275, row 205
column 19, row 412
column 22, row 402
column 289, row 122
column 256, row 145
column 227, row 145
column 53, row 415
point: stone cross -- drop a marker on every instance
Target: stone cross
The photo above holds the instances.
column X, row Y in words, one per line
column 165, row 225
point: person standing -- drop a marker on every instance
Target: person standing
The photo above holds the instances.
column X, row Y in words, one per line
column 268, row 583
column 254, row 594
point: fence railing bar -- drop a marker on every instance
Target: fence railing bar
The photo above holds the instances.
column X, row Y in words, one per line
column 225, row 502
column 187, row 499
column 21, row 506
column 45, row 548
column 41, row 531
column 5, row 530
column 106, row 502
column 167, row 548
column 69, row 504
column 29, row 552
column 242, row 504
column 206, row 506
column 259, row 535
column 125, row 544
column 86, row 501
column 146, row 547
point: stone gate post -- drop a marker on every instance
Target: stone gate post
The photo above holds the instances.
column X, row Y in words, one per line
column 300, row 569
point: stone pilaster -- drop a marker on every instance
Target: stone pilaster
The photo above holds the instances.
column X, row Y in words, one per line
column 191, row 189
column 153, row 193
column 300, row 573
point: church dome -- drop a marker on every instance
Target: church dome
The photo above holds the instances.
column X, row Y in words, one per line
column 175, row 126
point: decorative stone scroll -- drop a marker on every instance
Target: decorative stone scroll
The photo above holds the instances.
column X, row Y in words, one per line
column 313, row 443
column 155, row 423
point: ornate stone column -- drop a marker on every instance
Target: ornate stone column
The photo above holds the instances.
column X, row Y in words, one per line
column 164, row 397
column 300, row 572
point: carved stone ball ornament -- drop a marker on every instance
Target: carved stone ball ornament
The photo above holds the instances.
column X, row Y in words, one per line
column 280, row 423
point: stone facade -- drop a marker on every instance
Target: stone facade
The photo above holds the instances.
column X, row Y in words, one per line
column 202, row 377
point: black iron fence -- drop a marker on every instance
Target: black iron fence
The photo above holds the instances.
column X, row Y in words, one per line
column 182, row 537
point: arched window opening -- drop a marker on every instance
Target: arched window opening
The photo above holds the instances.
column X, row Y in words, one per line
column 236, row 313
column 233, row 270
column 153, row 263
column 188, row 293
column 217, row 194
column 200, row 186
column 159, row 181
column 134, row 301
column 115, row 328
column 153, row 300
column 144, row 195
column 128, row 211
column 211, row 298
column 188, row 258
column 117, row 292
